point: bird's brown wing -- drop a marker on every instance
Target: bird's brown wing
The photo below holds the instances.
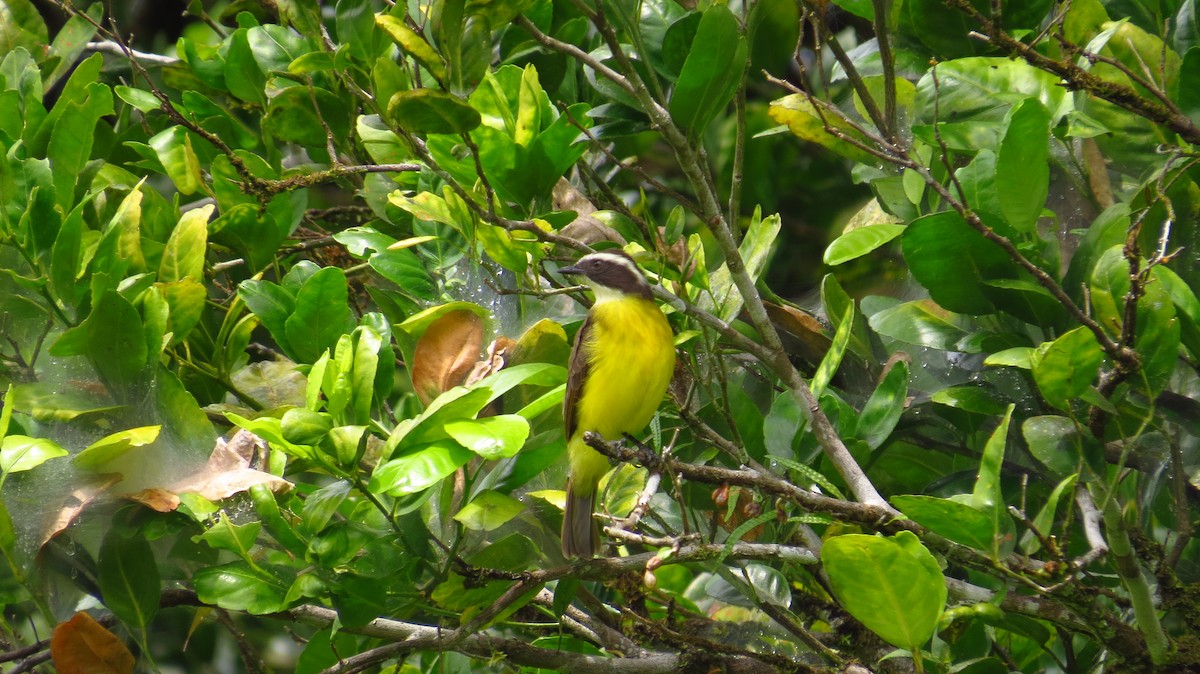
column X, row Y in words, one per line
column 577, row 371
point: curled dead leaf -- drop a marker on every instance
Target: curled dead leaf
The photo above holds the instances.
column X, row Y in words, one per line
column 446, row 353
column 803, row 335
column 228, row 471
column 585, row 227
column 74, row 503
column 156, row 499
column 495, row 360
column 83, row 646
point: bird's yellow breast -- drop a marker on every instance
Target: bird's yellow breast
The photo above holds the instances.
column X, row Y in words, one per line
column 631, row 357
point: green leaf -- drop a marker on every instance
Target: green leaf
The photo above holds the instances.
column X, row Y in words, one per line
column 72, row 40
column 921, row 323
column 860, row 241
column 349, row 443
column 47, row 404
column 129, row 580
column 322, row 314
column 833, row 357
column 1158, row 328
column 139, row 98
column 891, row 585
column 112, row 339
column 677, row 41
column 367, row 345
column 420, row 469
column 273, row 305
column 322, row 505
column 103, row 451
column 238, row 587
column 19, row 453
column 413, row 44
column 21, row 26
column 987, row 494
column 1022, row 168
column 127, row 224
column 1063, row 446
column 189, row 428
column 1189, row 72
column 497, row 437
column 985, row 88
column 1017, row 356
column 186, row 300
column 970, row 397
column 236, row 538
column 301, row 115
column 8, row 535
column 1044, row 521
column 9, row 401
column 772, row 31
column 362, row 241
column 960, row 522
column 312, row 62
column 812, row 475
column 712, row 72
column 243, row 76
column 174, row 150
column 882, row 410
column 72, row 139
column 781, row 424
column 1067, row 367
column 805, row 121
column 432, row 111
column 355, row 25
column 952, row 261
column 305, row 427
column 1027, row 300
column 183, row 258
column 488, row 511
column 267, row 508
column 754, row 250
column 404, row 268
column 64, row 256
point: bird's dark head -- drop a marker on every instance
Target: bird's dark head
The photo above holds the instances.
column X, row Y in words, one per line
column 611, row 274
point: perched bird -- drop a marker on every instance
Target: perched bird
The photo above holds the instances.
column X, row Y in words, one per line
column 621, row 363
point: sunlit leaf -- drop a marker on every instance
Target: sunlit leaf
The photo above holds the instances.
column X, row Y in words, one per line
column 102, row 451
column 489, row 510
column 19, row 453
column 892, row 585
column 497, row 437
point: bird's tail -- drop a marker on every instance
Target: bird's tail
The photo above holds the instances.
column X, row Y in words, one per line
column 580, row 534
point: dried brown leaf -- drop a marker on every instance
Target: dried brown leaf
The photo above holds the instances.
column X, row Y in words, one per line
column 446, row 353
column 803, row 334
column 228, row 471
column 495, row 360
column 83, row 646
column 156, row 499
column 76, row 501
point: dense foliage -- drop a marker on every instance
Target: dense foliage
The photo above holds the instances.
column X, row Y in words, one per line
column 329, row 233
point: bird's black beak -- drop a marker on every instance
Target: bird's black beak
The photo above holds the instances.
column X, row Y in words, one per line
column 570, row 270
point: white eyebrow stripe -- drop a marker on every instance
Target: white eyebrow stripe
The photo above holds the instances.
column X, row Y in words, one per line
column 617, row 259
